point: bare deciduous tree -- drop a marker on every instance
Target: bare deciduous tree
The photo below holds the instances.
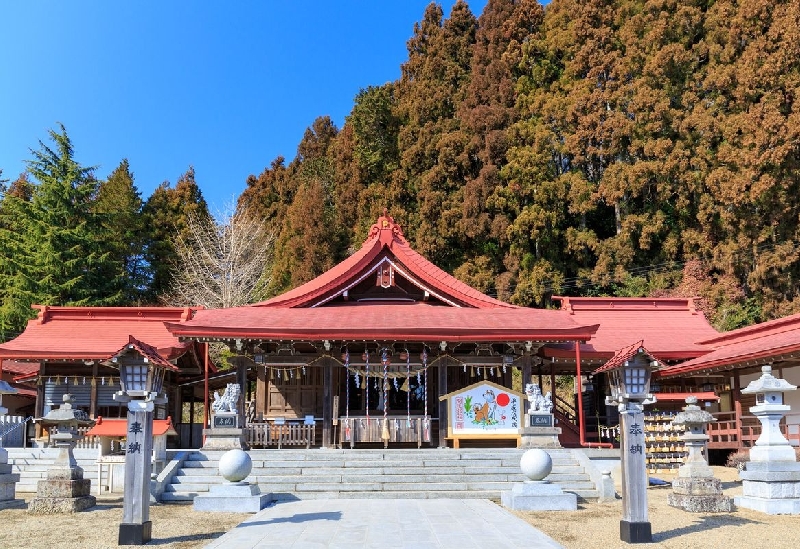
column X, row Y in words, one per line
column 221, row 263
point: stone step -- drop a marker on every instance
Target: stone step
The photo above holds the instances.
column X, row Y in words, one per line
column 379, row 473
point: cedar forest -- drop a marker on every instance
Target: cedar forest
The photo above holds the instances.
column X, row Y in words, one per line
column 617, row 147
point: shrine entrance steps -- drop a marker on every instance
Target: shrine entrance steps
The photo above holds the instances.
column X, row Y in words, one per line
column 373, row 473
column 32, row 464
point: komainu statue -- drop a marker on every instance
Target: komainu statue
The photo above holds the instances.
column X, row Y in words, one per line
column 229, row 399
column 538, row 401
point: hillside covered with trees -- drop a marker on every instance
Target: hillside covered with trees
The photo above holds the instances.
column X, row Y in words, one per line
column 620, row 147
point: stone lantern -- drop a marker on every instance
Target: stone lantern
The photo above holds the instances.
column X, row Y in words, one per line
column 769, row 410
column 65, row 490
column 695, row 489
column 771, row 479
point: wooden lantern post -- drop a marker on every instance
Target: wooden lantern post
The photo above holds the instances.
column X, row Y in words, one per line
column 630, row 391
column 142, row 372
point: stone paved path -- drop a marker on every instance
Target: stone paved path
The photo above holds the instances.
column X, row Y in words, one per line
column 384, row 524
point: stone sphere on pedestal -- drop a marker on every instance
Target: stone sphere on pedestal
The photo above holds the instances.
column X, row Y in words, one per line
column 235, row 465
column 536, row 464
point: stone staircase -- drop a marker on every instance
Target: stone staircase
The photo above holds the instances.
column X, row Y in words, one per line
column 32, row 465
column 368, row 473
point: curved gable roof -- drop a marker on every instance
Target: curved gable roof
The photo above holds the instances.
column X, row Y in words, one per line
column 385, row 242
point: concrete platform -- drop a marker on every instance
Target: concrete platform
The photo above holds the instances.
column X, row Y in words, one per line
column 384, row 524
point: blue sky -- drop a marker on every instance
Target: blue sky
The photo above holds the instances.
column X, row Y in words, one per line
column 223, row 86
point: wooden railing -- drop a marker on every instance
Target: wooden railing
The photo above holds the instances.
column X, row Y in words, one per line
column 734, row 433
column 357, row 429
column 264, row 435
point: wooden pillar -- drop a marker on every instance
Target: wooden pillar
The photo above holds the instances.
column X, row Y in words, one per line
column 327, row 401
column 737, row 407
column 177, row 405
column 136, row 527
column 242, row 366
column 442, row 390
column 526, row 378
column 39, row 401
column 261, row 392
column 93, row 393
column 191, row 420
column 206, row 411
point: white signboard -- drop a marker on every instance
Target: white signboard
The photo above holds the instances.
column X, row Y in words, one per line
column 484, row 408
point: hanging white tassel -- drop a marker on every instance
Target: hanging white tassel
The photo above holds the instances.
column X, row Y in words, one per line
column 465, row 368
column 394, row 380
column 304, row 371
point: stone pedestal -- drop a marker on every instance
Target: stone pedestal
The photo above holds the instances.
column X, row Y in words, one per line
column 8, row 484
column 225, row 433
column 539, row 431
column 538, row 495
column 772, row 487
column 235, row 495
column 224, row 439
column 699, row 495
column 232, row 497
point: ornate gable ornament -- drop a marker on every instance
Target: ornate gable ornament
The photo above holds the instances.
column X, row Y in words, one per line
column 386, row 230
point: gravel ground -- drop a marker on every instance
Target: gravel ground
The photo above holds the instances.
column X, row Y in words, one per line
column 175, row 526
column 596, row 526
column 592, row 526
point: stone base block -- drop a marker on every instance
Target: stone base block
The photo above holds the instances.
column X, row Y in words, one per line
column 765, row 454
column 701, row 504
column 239, row 497
column 135, row 534
column 769, row 506
column 52, row 506
column 12, row 504
column 635, row 532
column 224, row 439
column 538, row 496
column 771, row 489
column 63, row 488
column 65, row 473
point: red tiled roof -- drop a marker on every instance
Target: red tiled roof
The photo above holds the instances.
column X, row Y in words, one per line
column 20, row 368
column 385, row 237
column 670, row 327
column 773, row 340
column 620, row 357
column 119, row 427
column 147, row 351
column 95, row 333
column 409, row 321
